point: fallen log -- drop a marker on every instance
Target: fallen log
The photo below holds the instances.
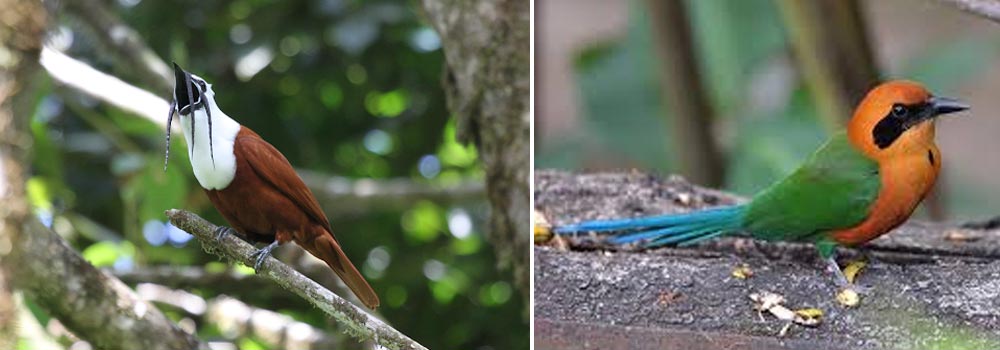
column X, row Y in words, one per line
column 931, row 285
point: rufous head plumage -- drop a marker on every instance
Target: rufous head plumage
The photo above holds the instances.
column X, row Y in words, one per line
column 897, row 117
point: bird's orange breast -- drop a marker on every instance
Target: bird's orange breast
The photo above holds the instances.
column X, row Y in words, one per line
column 907, row 177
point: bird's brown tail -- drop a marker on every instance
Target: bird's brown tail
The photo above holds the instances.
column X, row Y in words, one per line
column 327, row 249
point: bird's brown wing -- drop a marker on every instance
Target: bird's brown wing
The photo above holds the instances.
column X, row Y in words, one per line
column 279, row 174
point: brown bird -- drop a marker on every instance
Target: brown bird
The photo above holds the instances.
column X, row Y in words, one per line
column 252, row 184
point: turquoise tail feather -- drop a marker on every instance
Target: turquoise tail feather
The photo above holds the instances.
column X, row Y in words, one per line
column 680, row 229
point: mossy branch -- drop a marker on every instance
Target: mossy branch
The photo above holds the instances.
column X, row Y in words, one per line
column 359, row 323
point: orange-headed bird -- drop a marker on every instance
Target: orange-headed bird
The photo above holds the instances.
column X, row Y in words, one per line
column 862, row 183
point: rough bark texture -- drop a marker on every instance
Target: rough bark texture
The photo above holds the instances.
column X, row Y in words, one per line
column 22, row 25
column 932, row 285
column 96, row 307
column 486, row 45
column 93, row 305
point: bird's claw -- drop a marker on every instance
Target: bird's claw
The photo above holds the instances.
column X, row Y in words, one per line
column 258, row 259
column 221, row 232
column 261, row 255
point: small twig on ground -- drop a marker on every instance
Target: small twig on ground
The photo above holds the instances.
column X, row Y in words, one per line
column 358, row 323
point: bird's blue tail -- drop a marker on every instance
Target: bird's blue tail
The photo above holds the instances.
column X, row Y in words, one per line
column 680, row 229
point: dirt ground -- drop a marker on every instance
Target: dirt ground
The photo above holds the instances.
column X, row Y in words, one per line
column 930, row 286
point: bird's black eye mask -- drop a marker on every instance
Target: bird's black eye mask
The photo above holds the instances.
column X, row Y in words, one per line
column 902, row 117
column 899, row 118
column 188, row 89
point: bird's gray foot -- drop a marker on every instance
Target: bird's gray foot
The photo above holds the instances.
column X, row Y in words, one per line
column 262, row 254
column 223, row 231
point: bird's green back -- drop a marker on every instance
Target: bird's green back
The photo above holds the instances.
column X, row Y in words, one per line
column 833, row 189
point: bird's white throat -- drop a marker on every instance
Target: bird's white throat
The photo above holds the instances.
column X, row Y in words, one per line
column 218, row 174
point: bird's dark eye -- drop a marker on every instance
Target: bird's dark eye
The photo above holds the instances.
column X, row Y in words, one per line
column 899, row 110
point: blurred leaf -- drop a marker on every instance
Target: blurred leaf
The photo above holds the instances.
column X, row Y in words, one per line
column 102, row 254
column 331, row 95
column 620, row 93
column 159, row 190
column 495, row 294
column 734, row 38
column 453, row 153
column 389, row 104
column 395, row 296
column 39, row 194
column 250, row 343
column 40, row 314
column 423, row 222
column 444, row 292
column 467, row 245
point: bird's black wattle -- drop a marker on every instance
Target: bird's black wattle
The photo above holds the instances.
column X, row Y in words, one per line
column 186, row 89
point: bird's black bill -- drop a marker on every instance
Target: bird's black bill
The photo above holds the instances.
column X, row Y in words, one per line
column 185, row 91
column 902, row 117
column 189, row 95
column 945, row 105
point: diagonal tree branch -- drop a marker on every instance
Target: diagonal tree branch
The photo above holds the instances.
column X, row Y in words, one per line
column 125, row 45
column 95, row 306
column 358, row 323
column 104, row 87
column 22, row 26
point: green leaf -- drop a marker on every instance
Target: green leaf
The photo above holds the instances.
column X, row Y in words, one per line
column 39, row 194
column 388, row 105
column 102, row 254
column 158, row 190
column 424, row 222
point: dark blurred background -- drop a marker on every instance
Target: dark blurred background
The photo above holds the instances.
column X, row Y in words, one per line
column 346, row 90
column 735, row 94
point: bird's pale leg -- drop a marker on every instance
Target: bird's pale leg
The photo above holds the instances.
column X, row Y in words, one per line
column 838, row 275
column 262, row 254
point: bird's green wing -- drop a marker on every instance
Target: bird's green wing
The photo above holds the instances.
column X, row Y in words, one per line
column 833, row 189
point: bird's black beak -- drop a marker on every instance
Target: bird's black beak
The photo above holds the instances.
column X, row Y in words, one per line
column 182, row 83
column 945, row 105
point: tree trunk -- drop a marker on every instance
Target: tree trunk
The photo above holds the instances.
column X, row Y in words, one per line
column 96, row 307
column 833, row 52
column 486, row 45
column 691, row 114
column 22, row 26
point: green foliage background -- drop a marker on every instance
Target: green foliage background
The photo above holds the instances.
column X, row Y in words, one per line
column 349, row 88
column 738, row 44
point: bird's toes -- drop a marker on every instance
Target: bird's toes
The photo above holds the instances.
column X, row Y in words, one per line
column 258, row 259
column 221, row 232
